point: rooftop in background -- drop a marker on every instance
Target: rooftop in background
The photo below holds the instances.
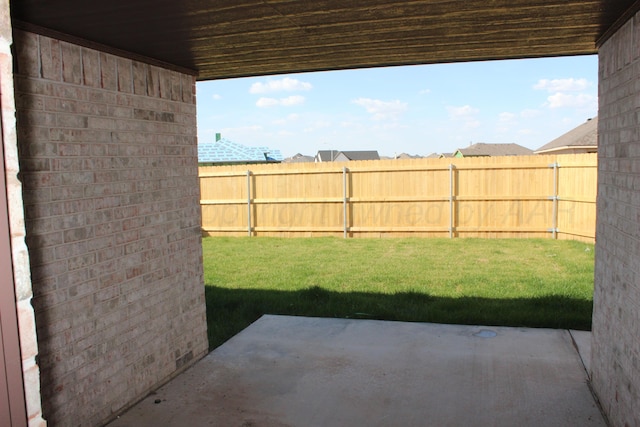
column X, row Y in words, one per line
column 344, row 156
column 225, row 151
column 483, row 149
column 224, row 39
column 405, row 156
column 299, row 158
column 582, row 139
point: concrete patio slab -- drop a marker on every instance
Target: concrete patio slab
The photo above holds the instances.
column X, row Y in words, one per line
column 582, row 341
column 297, row 371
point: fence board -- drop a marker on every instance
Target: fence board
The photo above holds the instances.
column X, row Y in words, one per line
column 527, row 196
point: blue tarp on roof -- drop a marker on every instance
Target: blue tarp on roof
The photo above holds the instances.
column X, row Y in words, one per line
column 224, row 151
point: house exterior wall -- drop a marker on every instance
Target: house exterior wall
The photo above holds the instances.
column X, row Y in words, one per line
column 19, row 256
column 109, row 170
column 615, row 360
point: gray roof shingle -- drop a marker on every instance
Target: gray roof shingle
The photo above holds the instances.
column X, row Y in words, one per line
column 361, row 155
column 331, row 155
column 299, row 158
column 583, row 136
column 484, row 149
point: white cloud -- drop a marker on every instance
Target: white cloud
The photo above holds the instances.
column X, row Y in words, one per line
column 529, row 113
column 250, row 128
column 389, row 126
column 292, row 100
column 382, row 110
column 466, row 115
column 317, row 125
column 284, row 121
column 354, row 125
column 216, row 96
column 569, row 93
column 285, row 102
column 560, row 100
column 460, row 112
column 425, row 91
column 266, row 102
column 286, row 84
column 472, row 124
column 562, row 85
column 506, row 117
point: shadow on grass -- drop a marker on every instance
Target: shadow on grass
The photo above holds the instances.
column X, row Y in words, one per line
column 231, row 310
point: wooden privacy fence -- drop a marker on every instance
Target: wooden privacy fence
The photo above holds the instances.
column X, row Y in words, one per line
column 526, row 196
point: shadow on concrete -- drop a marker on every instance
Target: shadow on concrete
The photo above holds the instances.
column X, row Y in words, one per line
column 231, row 310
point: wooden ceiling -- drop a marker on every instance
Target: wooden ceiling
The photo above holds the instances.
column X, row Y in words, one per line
column 234, row 38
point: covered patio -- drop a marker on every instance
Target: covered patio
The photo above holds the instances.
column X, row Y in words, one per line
column 105, row 302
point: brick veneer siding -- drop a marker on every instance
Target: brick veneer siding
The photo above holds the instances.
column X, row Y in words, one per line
column 109, row 169
column 19, row 254
column 616, row 317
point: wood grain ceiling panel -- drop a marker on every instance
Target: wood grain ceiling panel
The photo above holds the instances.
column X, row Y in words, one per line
column 227, row 38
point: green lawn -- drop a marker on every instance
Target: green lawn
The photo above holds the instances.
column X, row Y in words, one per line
column 515, row 282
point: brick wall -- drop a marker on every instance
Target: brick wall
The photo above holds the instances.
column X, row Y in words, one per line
column 616, row 317
column 19, row 254
column 109, row 171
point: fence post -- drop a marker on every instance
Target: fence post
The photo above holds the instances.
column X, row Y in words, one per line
column 345, row 202
column 249, row 203
column 554, row 198
column 451, row 196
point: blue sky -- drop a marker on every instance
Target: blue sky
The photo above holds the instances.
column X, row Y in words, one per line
column 413, row 109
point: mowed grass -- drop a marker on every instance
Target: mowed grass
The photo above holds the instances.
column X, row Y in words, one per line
column 515, row 282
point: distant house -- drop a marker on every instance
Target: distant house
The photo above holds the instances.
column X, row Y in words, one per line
column 582, row 139
column 405, row 156
column 482, row 149
column 345, row 156
column 326, row 155
column 223, row 151
column 299, row 158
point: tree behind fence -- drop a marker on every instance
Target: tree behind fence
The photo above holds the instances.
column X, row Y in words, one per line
column 525, row 196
